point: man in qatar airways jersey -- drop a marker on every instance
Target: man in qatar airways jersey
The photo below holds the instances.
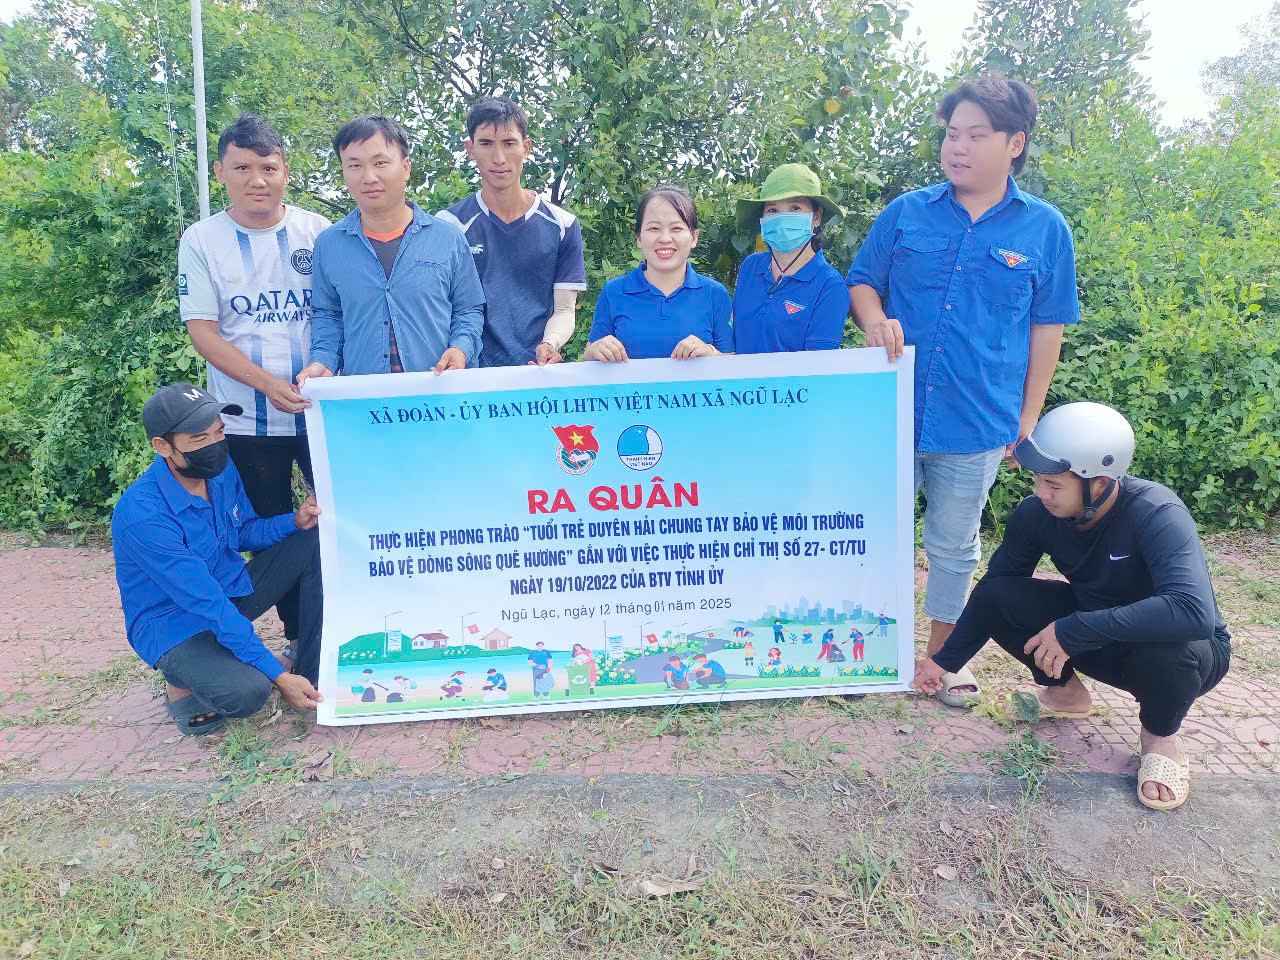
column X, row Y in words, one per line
column 527, row 250
column 244, row 292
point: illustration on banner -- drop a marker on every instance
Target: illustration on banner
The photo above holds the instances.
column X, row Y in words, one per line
column 806, row 644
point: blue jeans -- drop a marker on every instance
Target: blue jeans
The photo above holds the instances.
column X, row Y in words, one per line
column 956, row 487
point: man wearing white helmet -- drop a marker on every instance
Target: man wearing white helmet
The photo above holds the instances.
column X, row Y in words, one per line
column 1137, row 611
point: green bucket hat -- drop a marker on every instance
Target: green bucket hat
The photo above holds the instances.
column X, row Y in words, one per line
column 788, row 180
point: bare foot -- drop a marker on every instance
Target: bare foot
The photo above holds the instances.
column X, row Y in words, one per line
column 1166, row 747
column 1072, row 697
column 939, row 631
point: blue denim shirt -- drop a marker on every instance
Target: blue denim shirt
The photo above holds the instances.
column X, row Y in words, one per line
column 433, row 297
column 178, row 563
column 966, row 295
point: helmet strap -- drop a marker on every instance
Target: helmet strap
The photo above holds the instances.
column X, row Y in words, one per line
column 1090, row 505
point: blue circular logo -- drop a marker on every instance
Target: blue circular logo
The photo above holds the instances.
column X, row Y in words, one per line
column 301, row 260
column 640, row 447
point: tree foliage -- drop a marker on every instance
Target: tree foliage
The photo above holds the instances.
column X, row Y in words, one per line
column 1257, row 63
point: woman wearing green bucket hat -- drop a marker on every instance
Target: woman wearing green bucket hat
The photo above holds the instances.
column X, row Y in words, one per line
column 788, row 297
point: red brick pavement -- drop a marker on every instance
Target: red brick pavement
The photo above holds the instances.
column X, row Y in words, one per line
column 61, row 626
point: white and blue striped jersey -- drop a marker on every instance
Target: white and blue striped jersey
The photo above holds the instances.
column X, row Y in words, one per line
column 257, row 285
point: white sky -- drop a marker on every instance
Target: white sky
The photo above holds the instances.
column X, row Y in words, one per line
column 1185, row 35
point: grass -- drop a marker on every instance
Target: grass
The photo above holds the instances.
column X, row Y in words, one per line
column 65, row 695
column 1025, row 758
column 230, row 884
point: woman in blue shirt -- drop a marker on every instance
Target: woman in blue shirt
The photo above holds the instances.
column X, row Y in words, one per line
column 788, row 297
column 662, row 308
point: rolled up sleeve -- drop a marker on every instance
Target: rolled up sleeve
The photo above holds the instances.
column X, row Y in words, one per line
column 871, row 266
column 1057, row 297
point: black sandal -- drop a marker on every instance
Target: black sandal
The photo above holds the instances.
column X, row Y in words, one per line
column 192, row 718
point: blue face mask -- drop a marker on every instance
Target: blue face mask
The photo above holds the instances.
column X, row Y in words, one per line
column 785, row 232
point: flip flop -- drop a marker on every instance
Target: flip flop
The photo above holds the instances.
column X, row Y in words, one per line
column 1173, row 774
column 185, row 711
column 961, row 678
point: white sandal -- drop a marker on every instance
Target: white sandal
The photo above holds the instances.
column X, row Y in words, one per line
column 961, row 678
column 1175, row 775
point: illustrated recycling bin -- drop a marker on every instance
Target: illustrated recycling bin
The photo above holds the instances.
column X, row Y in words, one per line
column 579, row 681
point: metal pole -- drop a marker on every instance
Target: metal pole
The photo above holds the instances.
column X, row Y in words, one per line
column 202, row 134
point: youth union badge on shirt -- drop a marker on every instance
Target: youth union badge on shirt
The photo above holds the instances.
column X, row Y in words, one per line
column 792, row 306
column 1011, row 257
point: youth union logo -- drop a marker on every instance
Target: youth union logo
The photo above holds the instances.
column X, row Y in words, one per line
column 578, row 448
column 301, row 260
column 640, row 447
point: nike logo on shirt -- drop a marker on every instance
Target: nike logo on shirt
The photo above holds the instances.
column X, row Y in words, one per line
column 1114, row 557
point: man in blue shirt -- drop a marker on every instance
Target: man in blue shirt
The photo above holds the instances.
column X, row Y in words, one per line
column 980, row 278
column 527, row 250
column 676, row 674
column 393, row 288
column 189, row 599
column 708, row 672
column 540, row 660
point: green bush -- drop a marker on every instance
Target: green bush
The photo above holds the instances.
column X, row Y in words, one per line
column 1205, row 404
column 866, row 671
column 614, row 676
column 1176, row 231
column 789, row 672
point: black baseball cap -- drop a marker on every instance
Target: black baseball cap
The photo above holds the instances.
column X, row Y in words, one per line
column 182, row 408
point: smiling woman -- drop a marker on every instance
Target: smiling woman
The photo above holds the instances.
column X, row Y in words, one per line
column 662, row 308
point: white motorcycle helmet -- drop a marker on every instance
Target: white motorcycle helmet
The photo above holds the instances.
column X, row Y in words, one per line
column 1084, row 438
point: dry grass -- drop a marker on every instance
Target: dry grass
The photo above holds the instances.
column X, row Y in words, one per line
column 390, row 878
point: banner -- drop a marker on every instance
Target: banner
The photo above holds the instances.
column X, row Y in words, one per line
column 590, row 535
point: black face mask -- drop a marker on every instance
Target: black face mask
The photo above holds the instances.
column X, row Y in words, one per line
column 205, row 463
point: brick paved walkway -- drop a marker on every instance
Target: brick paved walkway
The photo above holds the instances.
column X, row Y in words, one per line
column 76, row 707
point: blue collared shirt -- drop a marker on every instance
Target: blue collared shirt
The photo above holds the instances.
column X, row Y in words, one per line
column 966, row 295
column 178, row 565
column 433, row 297
column 806, row 311
column 650, row 323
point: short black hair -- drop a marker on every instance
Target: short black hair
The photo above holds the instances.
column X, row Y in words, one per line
column 499, row 111
column 675, row 196
column 1011, row 105
column 251, row 132
column 362, row 128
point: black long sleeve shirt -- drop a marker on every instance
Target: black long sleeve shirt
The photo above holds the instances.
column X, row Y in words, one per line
column 1139, row 575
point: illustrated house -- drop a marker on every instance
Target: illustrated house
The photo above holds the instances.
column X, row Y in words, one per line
column 495, row 639
column 425, row 640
